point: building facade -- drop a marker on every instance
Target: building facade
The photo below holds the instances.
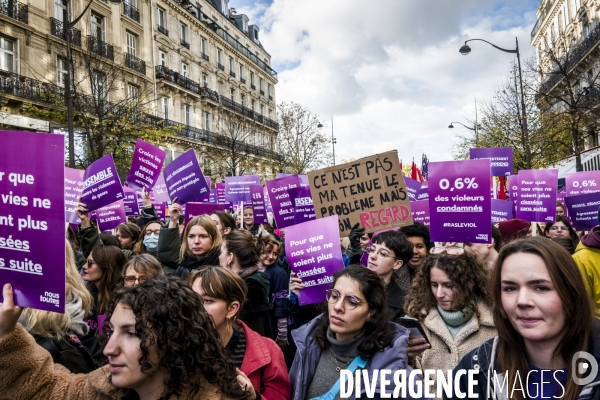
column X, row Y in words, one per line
column 200, row 65
column 572, row 25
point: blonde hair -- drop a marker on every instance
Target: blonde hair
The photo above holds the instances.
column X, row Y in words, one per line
column 51, row 324
column 211, row 228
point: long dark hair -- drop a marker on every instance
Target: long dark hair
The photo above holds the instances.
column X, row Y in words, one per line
column 576, row 333
column 170, row 315
column 377, row 330
column 110, row 259
column 139, row 247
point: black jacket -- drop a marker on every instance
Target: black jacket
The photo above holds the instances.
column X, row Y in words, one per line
column 70, row 352
column 255, row 311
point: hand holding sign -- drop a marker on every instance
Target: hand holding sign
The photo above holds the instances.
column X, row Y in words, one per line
column 83, row 214
column 174, row 213
column 9, row 313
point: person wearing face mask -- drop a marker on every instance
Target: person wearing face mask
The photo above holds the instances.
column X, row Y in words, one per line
column 199, row 245
column 449, row 297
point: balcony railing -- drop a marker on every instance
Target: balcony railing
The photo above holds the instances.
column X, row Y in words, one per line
column 231, row 73
column 542, row 17
column 247, row 112
column 186, row 83
column 131, row 12
column 270, row 97
column 221, row 67
column 242, row 80
column 22, row 86
column 185, row 44
column 205, row 56
column 253, row 86
column 15, row 10
column 575, row 55
column 134, row 63
column 57, row 29
column 101, row 48
column 163, row 30
column 262, row 92
column 244, row 50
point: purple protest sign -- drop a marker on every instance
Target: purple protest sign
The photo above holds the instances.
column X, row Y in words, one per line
column 220, row 188
column 501, row 159
column 130, row 202
column 268, row 200
column 420, row 211
column 73, row 188
column 258, row 205
column 111, row 216
column 146, row 164
column 161, row 194
column 281, row 192
column 582, row 182
column 185, row 180
column 424, row 192
column 459, row 201
column 160, row 209
column 583, row 210
column 195, row 209
column 237, row 188
column 413, row 188
column 314, row 254
column 101, row 185
column 537, row 195
column 304, row 210
column 32, row 219
column 502, row 210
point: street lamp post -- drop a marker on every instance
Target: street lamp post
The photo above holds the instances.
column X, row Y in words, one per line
column 476, row 129
column 464, row 50
column 68, row 25
column 333, row 140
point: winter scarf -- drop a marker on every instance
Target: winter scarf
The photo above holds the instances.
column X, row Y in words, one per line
column 191, row 263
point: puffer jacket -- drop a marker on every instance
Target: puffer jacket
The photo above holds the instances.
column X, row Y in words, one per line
column 445, row 352
column 27, row 372
column 587, row 257
column 393, row 357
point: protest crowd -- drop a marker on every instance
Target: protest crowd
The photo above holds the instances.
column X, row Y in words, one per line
column 236, row 292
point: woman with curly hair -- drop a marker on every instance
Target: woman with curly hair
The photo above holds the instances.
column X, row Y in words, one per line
column 161, row 345
column 259, row 358
column 449, row 297
column 199, row 245
column 354, row 328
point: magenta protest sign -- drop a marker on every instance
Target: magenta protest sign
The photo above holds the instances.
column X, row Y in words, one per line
column 130, row 202
column 101, row 184
column 184, row 178
column 111, row 216
column 258, row 205
column 501, row 159
column 420, row 211
column 304, row 210
column 194, row 209
column 583, row 210
column 237, row 188
column 32, row 219
column 281, row 192
column 220, row 188
column 73, row 188
column 146, row 164
column 502, row 210
column 161, row 194
column 537, row 195
column 459, row 201
column 413, row 188
column 424, row 192
column 160, row 209
column 582, row 183
column 314, row 254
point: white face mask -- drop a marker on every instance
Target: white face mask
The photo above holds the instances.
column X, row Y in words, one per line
column 151, row 242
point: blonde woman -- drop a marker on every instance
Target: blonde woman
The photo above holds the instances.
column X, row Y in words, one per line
column 60, row 333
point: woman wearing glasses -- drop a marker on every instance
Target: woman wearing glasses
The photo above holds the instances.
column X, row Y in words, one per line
column 354, row 326
column 449, row 297
column 141, row 268
column 562, row 227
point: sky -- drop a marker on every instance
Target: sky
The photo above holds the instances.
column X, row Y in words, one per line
column 389, row 71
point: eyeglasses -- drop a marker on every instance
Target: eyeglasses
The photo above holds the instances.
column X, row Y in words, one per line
column 350, row 302
column 562, row 228
column 380, row 254
column 90, row 263
column 132, row 280
column 150, row 232
column 451, row 251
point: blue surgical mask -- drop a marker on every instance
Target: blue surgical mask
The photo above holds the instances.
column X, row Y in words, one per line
column 151, row 242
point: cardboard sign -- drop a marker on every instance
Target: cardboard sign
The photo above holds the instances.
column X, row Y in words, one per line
column 314, row 254
column 459, row 202
column 101, row 185
column 370, row 191
column 537, row 195
column 146, row 164
column 73, row 188
column 32, row 219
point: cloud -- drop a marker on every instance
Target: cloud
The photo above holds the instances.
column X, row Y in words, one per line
column 390, row 71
